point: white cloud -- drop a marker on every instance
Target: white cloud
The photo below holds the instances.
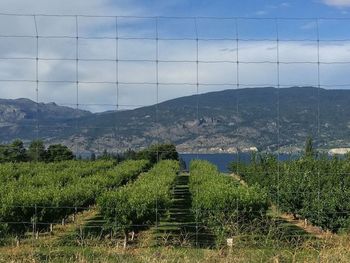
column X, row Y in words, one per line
column 87, row 7
column 268, row 8
column 281, row 5
column 285, row 4
column 261, row 12
column 217, row 63
column 337, row 3
column 309, row 26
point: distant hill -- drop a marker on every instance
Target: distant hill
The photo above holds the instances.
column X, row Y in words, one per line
column 223, row 121
column 20, row 117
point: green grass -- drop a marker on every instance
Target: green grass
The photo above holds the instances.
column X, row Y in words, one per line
column 171, row 254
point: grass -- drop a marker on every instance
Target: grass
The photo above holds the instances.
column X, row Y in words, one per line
column 174, row 240
column 65, row 246
column 179, row 228
column 337, row 250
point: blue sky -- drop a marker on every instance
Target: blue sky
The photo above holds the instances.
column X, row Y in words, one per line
column 251, row 8
column 211, row 8
column 270, row 8
column 258, row 58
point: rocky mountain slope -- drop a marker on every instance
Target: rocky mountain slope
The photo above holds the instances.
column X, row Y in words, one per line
column 224, row 121
column 20, row 118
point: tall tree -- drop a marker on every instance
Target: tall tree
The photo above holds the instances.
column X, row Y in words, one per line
column 59, row 152
column 309, row 149
column 36, row 151
column 105, row 155
column 17, row 152
column 159, row 152
column 93, row 157
column 4, row 153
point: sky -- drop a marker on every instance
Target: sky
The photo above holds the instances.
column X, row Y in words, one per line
column 298, row 27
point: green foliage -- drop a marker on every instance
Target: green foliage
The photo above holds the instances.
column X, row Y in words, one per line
column 221, row 203
column 143, row 201
column 158, row 152
column 129, row 154
column 93, row 157
column 49, row 192
column 316, row 189
column 37, row 151
column 14, row 152
column 4, row 153
column 17, row 151
column 59, row 152
column 106, row 156
column 309, row 149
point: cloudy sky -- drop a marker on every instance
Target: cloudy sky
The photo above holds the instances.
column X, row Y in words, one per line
column 137, row 50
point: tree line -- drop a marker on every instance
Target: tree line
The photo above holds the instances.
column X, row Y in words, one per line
column 37, row 152
column 153, row 154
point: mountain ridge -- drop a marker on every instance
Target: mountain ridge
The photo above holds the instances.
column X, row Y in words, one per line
column 220, row 121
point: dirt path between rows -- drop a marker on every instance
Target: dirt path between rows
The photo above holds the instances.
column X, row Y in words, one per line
column 305, row 225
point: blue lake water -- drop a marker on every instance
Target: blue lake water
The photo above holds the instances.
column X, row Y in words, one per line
column 222, row 160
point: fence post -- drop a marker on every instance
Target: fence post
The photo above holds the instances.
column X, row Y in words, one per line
column 75, row 214
column 36, row 222
column 34, row 227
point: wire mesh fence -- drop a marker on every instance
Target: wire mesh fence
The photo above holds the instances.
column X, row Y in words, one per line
column 107, row 68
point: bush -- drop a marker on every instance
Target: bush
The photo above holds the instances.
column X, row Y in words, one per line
column 220, row 203
column 142, row 202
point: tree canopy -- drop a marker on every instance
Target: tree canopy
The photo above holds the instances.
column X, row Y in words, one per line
column 16, row 152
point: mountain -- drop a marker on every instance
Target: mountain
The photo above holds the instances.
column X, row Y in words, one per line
column 20, row 118
column 223, row 121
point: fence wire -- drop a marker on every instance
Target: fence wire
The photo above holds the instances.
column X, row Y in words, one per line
column 165, row 41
